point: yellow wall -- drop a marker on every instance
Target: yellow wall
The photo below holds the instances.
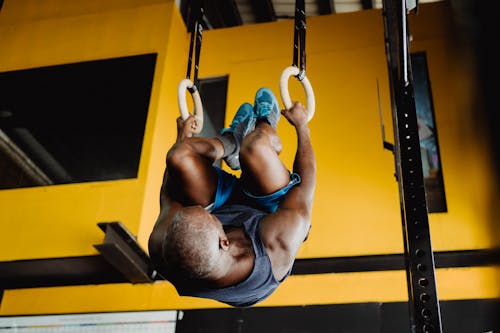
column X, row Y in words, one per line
column 61, row 220
column 356, row 208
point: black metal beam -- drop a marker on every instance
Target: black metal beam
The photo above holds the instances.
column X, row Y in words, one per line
column 52, row 272
column 263, row 10
column 367, row 4
column 423, row 302
column 222, row 13
column 325, row 7
column 184, row 9
column 85, row 270
column 121, row 250
column 390, row 262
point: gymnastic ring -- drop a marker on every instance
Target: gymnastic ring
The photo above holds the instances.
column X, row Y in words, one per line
column 285, row 95
column 198, row 107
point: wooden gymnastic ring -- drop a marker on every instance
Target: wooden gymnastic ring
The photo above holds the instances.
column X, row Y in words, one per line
column 198, row 106
column 285, row 95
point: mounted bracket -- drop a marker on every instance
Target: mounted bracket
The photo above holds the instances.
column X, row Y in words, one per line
column 121, row 250
column 385, row 144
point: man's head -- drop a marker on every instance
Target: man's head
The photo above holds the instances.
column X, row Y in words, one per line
column 190, row 245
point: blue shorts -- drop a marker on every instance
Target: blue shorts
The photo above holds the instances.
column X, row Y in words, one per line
column 228, row 186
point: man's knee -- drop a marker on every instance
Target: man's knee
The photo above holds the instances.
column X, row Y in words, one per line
column 260, row 140
column 178, row 154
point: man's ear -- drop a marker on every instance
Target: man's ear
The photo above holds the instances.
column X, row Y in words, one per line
column 224, row 244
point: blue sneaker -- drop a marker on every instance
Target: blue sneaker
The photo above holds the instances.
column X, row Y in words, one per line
column 266, row 106
column 243, row 123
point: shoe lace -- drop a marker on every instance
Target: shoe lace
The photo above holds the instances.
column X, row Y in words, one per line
column 235, row 123
column 264, row 109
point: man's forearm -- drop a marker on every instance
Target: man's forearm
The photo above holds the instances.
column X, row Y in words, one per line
column 305, row 162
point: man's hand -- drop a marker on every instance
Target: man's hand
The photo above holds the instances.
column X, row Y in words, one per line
column 185, row 128
column 296, row 115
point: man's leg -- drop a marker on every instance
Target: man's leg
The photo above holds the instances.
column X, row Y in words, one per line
column 191, row 178
column 243, row 123
column 262, row 170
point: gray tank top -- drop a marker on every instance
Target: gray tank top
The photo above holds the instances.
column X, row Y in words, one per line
column 261, row 282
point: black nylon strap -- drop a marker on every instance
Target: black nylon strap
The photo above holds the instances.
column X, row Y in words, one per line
column 199, row 37
column 299, row 38
column 196, row 29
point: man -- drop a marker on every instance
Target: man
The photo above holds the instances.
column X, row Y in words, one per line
column 234, row 239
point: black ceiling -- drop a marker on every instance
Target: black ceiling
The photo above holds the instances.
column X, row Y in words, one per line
column 230, row 13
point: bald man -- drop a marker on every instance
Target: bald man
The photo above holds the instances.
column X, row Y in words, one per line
column 227, row 238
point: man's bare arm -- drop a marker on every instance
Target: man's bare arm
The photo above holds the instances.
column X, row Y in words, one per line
column 168, row 206
column 185, row 130
column 285, row 230
column 304, row 164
